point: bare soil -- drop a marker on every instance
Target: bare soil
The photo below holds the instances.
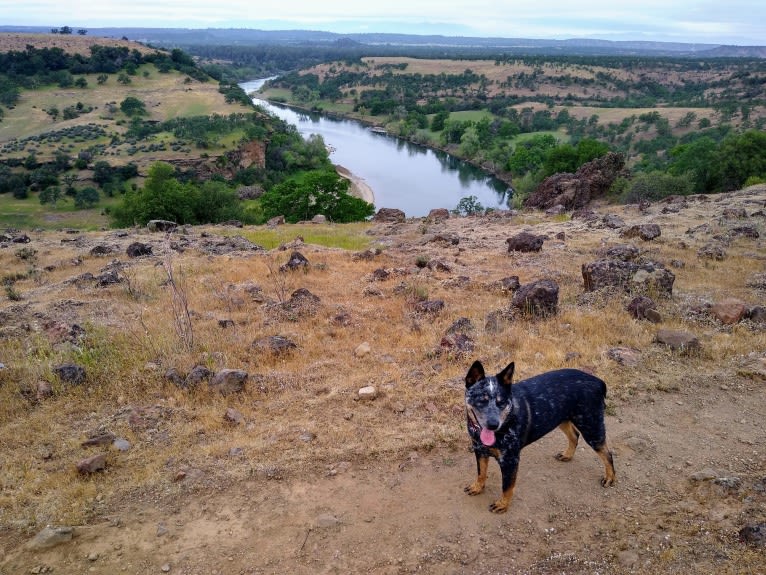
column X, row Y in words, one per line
column 687, row 435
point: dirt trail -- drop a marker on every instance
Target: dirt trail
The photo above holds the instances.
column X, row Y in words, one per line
column 411, row 515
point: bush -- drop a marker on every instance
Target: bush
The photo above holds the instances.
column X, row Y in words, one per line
column 653, row 186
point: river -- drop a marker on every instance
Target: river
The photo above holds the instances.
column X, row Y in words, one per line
column 402, row 175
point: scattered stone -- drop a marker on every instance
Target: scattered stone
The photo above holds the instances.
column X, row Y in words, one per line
column 439, row 265
column 225, row 323
column 174, row 377
column 319, row 219
column 561, row 236
column 51, row 536
column 756, row 314
column 326, row 521
column 137, row 249
column 380, row 275
column 623, row 252
column 362, row 349
column 228, row 381
column 461, row 325
column 101, row 250
column 165, row 568
column 108, row 278
column 525, row 242
column 70, row 373
column 680, row 341
column 276, row 344
column 366, row 255
column 368, row 393
column 646, row 232
column 44, row 389
column 276, row 221
column 540, row 298
column 389, row 215
column 729, row 311
column 297, row 261
column 556, row 210
column 121, row 444
column 495, row 321
column 734, row 213
column 233, row 416
column 92, row 464
column 707, row 474
column 308, row 436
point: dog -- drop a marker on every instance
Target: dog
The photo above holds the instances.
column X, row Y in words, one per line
column 504, row 418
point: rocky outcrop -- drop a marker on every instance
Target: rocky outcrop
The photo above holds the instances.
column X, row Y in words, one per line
column 574, row 191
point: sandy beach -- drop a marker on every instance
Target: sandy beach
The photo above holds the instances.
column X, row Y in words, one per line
column 359, row 188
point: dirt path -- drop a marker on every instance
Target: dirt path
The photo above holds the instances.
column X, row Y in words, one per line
column 411, row 516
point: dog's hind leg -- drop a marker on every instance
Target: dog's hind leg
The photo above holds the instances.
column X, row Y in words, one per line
column 606, row 456
column 594, row 433
column 482, row 463
column 573, row 436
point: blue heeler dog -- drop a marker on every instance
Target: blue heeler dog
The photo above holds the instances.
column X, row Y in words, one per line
column 505, row 418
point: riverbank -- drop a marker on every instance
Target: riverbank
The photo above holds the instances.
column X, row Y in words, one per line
column 359, row 187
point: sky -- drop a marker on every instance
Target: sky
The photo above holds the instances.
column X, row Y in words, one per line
column 740, row 22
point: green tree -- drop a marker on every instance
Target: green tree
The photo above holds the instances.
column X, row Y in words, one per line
column 51, row 195
column 102, row 78
column 698, row 159
column 741, row 156
column 86, row 198
column 656, row 185
column 81, row 82
column 468, row 206
column 308, row 194
column 132, row 106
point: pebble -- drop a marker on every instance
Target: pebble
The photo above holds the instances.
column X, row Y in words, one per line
column 368, row 392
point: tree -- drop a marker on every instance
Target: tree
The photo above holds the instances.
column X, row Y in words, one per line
column 86, row 198
column 741, row 156
column 102, row 173
column 132, row 106
column 308, row 194
column 81, row 82
column 102, row 78
column 51, row 195
column 468, row 206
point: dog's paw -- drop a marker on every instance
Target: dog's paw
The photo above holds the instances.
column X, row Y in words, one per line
column 563, row 456
column 474, row 488
column 499, row 506
column 607, row 481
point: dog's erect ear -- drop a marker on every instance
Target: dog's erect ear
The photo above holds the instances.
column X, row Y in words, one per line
column 506, row 375
column 474, row 374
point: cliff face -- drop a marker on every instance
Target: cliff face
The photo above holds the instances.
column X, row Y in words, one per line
column 249, row 154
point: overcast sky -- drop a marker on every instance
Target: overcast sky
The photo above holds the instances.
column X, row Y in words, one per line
column 740, row 22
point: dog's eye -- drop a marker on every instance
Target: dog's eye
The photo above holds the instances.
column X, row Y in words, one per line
column 500, row 401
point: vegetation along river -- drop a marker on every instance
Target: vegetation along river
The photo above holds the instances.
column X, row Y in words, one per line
column 401, row 175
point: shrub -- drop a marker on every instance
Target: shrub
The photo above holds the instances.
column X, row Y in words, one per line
column 656, row 185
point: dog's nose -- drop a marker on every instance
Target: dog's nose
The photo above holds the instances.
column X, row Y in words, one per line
column 493, row 424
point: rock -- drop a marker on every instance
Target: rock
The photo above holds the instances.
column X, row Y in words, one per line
column 174, row 377
column 456, row 344
column 327, row 520
column 628, row 276
column 643, row 307
column 121, row 444
column 680, row 341
column 591, row 181
column 389, row 215
column 368, row 393
column 729, row 311
column 556, row 210
column 613, row 221
column 745, row 231
column 44, row 389
column 623, row 252
column 707, row 474
column 276, row 344
column 276, row 221
column 232, row 223
column 646, row 232
column 137, row 249
column 362, row 349
column 225, row 323
column 627, row 356
column 495, row 321
column 98, row 439
column 51, row 536
column 756, row 314
column 438, row 215
column 712, row 251
column 525, row 242
column 297, row 261
column 161, row 226
column 461, row 325
column 431, row 307
column 734, row 213
column 233, row 416
column 108, row 278
column 70, row 373
column 540, row 298
column 380, row 275
column 754, row 534
column 319, row 219
column 101, row 250
column 228, row 381
column 196, row 376
column 92, row 464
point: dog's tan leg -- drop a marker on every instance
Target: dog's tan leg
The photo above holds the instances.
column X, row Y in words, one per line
column 606, row 457
column 572, row 435
column 482, row 463
column 501, row 505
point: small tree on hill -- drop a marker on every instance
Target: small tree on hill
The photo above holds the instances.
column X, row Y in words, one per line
column 132, row 106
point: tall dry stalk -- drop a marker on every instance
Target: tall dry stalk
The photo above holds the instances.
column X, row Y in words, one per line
column 179, row 302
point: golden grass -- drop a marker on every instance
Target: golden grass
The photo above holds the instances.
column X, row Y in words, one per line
column 300, row 409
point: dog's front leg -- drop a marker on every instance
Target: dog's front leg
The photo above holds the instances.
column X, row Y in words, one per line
column 482, row 463
column 509, row 465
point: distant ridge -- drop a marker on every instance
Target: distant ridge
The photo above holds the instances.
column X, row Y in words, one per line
column 170, row 37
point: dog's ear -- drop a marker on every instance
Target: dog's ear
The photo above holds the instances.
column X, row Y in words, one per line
column 506, row 376
column 474, row 374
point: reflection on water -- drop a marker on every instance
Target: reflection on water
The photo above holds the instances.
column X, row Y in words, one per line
column 402, row 175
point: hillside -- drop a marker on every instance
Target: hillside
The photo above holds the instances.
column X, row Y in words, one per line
column 284, row 465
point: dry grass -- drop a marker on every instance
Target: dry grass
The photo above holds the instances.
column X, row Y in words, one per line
column 300, row 409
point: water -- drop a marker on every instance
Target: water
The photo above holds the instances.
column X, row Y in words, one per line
column 402, row 175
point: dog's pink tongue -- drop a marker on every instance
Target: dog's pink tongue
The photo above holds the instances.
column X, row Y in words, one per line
column 487, row 436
